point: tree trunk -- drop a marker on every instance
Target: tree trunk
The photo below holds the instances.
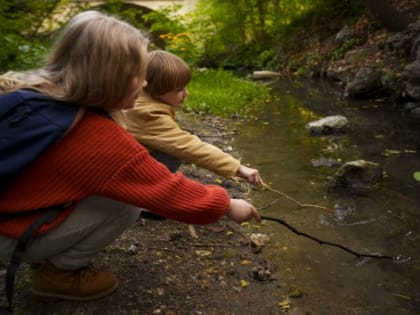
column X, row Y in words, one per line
column 387, row 15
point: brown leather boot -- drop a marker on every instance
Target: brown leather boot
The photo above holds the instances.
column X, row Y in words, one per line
column 82, row 284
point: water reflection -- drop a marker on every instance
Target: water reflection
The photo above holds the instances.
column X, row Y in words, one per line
column 384, row 221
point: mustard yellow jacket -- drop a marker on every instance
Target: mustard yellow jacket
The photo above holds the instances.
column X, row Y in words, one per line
column 153, row 124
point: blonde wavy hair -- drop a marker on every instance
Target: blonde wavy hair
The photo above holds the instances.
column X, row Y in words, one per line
column 165, row 72
column 94, row 62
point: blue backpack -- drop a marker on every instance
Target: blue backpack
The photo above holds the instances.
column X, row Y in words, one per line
column 29, row 123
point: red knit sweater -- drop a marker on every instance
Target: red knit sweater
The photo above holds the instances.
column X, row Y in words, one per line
column 99, row 158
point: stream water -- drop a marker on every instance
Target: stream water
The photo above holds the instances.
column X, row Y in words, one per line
column 384, row 221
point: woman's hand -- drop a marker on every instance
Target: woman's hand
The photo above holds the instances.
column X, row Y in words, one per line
column 240, row 211
column 251, row 175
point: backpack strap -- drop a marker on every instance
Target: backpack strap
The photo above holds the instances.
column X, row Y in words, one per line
column 48, row 215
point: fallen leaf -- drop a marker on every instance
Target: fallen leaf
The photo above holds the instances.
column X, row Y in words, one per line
column 284, row 304
column 203, row 253
column 192, row 230
column 244, row 283
column 209, row 270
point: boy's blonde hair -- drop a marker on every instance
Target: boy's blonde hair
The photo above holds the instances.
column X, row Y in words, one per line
column 94, row 62
column 165, row 72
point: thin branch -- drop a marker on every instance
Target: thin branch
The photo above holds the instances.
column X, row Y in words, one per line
column 302, row 205
column 47, row 14
column 321, row 242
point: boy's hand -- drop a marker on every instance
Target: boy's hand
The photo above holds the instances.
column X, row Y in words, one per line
column 251, row 175
column 240, row 211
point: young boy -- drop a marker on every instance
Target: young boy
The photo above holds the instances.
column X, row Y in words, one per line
column 152, row 122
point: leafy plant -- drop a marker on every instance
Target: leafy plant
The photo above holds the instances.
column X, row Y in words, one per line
column 181, row 45
column 26, row 28
column 346, row 46
column 21, row 53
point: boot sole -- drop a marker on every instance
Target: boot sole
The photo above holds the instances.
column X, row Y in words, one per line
column 47, row 296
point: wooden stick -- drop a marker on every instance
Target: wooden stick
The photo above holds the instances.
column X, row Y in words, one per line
column 302, row 205
column 321, row 242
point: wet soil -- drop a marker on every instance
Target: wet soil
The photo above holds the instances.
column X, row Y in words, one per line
column 167, row 267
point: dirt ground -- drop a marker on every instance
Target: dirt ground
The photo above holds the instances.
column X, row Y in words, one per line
column 166, row 267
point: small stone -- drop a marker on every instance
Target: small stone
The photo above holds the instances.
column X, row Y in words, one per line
column 259, row 239
column 132, row 249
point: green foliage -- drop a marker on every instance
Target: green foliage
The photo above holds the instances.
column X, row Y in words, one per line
column 416, row 176
column 238, row 33
column 346, row 46
column 294, row 63
column 173, row 34
column 219, row 33
column 182, row 45
column 166, row 20
column 229, row 29
column 222, row 93
column 17, row 53
column 26, row 29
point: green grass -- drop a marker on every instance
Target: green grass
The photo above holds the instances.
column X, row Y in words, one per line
column 223, row 94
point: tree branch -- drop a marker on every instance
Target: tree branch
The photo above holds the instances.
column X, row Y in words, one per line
column 302, row 205
column 321, row 242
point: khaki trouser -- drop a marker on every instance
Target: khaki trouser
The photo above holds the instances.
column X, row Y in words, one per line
column 93, row 225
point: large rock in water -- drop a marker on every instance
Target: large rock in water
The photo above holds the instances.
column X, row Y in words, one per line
column 328, row 125
column 359, row 174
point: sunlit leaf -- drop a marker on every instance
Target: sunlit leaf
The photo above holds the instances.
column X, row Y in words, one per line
column 389, row 152
column 416, row 176
column 210, row 270
column 284, row 304
column 192, row 230
column 203, row 253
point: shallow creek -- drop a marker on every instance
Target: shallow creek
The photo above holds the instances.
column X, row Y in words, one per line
column 384, row 221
